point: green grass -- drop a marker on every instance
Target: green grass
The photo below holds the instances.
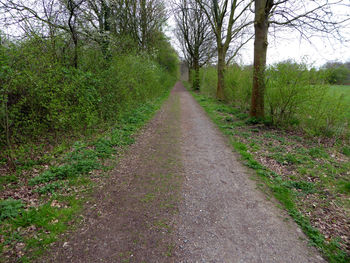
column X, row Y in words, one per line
column 58, row 185
column 341, row 90
column 310, row 160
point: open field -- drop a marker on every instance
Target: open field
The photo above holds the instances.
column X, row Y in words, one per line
column 341, row 90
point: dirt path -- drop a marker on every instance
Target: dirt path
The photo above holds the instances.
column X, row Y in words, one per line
column 223, row 217
column 180, row 195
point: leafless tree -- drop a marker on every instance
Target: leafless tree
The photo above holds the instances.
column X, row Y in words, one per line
column 229, row 21
column 72, row 10
column 307, row 17
column 195, row 36
column 57, row 15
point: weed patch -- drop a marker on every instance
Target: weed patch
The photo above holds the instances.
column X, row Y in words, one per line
column 10, row 208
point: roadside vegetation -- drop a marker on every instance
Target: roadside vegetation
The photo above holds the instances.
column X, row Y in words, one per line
column 43, row 200
column 297, row 98
column 301, row 149
column 77, row 83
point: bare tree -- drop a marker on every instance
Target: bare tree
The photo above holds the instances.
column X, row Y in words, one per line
column 228, row 20
column 57, row 15
column 307, row 17
column 142, row 20
column 96, row 22
column 195, row 36
column 72, row 8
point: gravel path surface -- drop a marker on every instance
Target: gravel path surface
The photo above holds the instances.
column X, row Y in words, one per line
column 223, row 217
column 180, row 195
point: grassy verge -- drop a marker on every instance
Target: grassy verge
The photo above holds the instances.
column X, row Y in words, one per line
column 341, row 90
column 44, row 199
column 311, row 180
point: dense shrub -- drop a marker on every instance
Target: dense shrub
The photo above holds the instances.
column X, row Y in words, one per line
column 43, row 96
column 238, row 83
column 288, row 91
column 208, row 78
column 339, row 74
column 295, row 97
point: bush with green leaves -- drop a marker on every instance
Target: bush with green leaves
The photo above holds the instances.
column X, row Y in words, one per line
column 208, row 81
column 42, row 96
column 238, row 86
column 288, row 91
column 295, row 97
column 338, row 74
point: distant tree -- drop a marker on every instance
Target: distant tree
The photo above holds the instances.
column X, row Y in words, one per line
column 337, row 73
column 229, row 21
column 143, row 20
column 307, row 17
column 195, row 36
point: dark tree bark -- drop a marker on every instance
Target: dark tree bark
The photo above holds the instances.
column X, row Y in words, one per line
column 72, row 7
column 221, row 74
column 261, row 25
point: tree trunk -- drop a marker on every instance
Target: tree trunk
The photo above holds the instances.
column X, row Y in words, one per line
column 75, row 57
column 261, row 25
column 221, row 72
column 196, row 82
column 71, row 7
column 11, row 162
column 190, row 73
column 106, row 27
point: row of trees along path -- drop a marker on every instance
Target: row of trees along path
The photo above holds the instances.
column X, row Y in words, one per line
column 225, row 27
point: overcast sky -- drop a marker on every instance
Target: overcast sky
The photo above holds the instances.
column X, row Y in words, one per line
column 288, row 45
column 315, row 52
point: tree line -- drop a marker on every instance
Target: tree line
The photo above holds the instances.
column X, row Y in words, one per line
column 69, row 65
column 218, row 29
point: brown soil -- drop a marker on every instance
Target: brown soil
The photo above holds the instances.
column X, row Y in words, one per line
column 180, row 195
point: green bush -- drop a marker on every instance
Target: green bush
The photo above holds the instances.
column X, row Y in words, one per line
column 238, row 86
column 292, row 100
column 337, row 75
column 295, row 97
column 208, row 78
column 287, row 91
column 43, row 97
column 326, row 115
